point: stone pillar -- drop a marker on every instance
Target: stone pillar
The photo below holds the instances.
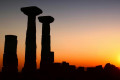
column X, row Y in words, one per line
column 10, row 61
column 47, row 57
column 30, row 50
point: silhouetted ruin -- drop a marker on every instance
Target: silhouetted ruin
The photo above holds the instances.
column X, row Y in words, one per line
column 30, row 51
column 49, row 70
column 10, row 61
column 47, row 57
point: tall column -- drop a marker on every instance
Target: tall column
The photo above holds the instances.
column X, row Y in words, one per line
column 46, row 55
column 30, row 50
column 10, row 61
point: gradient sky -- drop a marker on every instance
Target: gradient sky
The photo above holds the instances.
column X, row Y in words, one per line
column 84, row 33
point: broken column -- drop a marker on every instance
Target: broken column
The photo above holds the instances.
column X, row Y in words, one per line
column 30, row 50
column 10, row 60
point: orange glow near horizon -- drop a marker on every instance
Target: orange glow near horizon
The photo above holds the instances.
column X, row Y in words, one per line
column 86, row 49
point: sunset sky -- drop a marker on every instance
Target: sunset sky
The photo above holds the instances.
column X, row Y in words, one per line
column 84, row 33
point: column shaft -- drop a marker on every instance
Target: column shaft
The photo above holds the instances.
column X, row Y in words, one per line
column 30, row 52
column 45, row 52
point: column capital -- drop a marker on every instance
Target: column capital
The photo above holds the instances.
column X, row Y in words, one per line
column 46, row 19
column 31, row 11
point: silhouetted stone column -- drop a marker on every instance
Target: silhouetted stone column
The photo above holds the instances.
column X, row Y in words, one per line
column 30, row 51
column 10, row 61
column 46, row 55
